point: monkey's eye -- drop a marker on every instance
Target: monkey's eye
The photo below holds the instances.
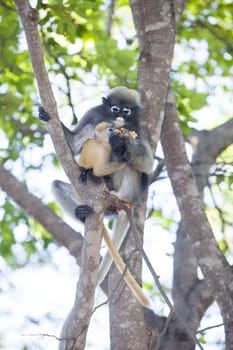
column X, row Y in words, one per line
column 115, row 109
column 127, row 111
column 110, row 129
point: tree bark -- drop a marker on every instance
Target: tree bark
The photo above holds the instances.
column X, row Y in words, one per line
column 191, row 296
column 215, row 268
column 76, row 326
column 62, row 232
column 73, row 335
column 156, row 23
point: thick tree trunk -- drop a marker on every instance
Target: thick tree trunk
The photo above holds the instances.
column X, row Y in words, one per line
column 127, row 326
column 216, row 270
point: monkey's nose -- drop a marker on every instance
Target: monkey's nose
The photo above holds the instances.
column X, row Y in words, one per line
column 119, row 122
column 120, row 119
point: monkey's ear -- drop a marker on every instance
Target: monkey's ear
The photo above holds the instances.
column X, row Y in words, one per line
column 105, row 101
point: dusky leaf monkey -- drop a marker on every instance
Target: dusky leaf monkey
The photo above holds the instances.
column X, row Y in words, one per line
column 129, row 183
column 96, row 156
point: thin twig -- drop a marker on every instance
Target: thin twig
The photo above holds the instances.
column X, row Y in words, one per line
column 213, row 31
column 42, row 335
column 110, row 11
column 67, row 78
column 210, row 327
column 164, row 330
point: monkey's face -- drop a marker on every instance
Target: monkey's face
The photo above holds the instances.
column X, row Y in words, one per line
column 125, row 115
column 123, row 111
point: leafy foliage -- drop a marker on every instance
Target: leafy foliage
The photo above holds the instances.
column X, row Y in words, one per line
column 205, row 40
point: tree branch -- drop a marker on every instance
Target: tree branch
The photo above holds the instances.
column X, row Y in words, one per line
column 211, row 260
column 207, row 146
column 66, row 76
column 63, row 233
column 110, row 12
column 213, row 30
column 29, row 19
column 76, row 326
column 156, row 24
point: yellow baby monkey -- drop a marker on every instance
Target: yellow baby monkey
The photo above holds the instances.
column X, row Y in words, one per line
column 96, row 152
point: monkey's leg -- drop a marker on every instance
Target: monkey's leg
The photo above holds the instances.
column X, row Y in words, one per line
column 65, row 197
column 84, row 174
column 129, row 279
column 88, row 173
column 83, row 211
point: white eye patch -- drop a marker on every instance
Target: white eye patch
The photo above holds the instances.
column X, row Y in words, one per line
column 115, row 109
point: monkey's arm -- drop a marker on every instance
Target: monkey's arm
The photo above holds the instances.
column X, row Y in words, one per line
column 107, row 168
column 137, row 153
column 85, row 128
column 141, row 156
column 75, row 138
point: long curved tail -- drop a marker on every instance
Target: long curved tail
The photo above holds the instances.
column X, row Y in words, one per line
column 120, row 228
column 129, row 279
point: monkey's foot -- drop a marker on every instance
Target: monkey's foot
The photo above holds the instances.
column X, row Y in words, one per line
column 84, row 175
column 43, row 115
column 83, row 211
column 88, row 173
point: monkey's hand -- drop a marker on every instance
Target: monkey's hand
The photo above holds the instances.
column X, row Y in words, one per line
column 119, row 147
column 83, row 211
column 83, row 175
column 43, row 115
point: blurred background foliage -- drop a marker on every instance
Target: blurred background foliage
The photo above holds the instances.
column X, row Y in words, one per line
column 89, row 48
